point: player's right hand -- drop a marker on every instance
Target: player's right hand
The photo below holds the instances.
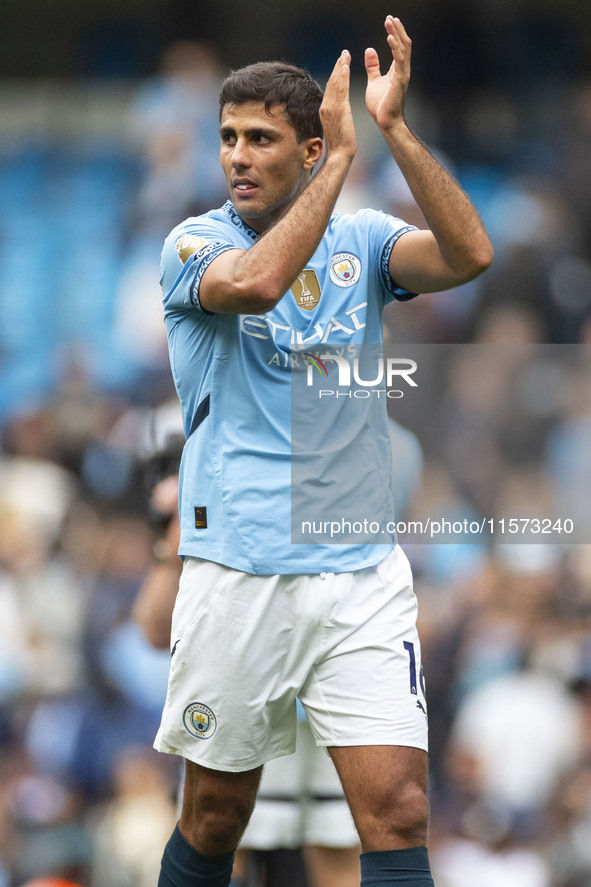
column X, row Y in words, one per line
column 335, row 111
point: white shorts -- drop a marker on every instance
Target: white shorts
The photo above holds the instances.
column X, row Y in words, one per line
column 245, row 646
column 300, row 802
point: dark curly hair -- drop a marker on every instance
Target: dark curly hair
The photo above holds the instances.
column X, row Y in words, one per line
column 277, row 83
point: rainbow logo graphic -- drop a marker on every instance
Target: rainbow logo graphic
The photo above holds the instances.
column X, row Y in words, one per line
column 314, row 361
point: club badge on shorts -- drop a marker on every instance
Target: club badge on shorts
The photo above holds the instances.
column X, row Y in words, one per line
column 199, row 720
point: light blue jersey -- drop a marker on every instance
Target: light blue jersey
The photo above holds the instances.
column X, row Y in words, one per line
column 233, row 378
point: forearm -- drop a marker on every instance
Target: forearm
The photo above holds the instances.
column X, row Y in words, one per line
column 450, row 215
column 260, row 276
column 154, row 604
column 152, row 610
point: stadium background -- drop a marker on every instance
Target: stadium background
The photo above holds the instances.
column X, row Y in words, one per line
column 107, row 137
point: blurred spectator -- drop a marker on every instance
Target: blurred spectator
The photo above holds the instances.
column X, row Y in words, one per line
column 488, row 856
column 127, row 844
column 543, row 722
column 569, row 829
column 174, row 125
column 49, row 882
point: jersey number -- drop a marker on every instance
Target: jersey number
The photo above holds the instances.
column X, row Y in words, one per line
column 412, row 667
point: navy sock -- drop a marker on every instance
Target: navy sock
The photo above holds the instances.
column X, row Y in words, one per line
column 183, row 866
column 387, row 868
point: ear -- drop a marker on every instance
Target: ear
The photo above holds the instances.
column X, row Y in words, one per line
column 314, row 149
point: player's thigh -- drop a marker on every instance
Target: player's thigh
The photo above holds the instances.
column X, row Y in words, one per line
column 366, row 687
column 230, row 703
column 386, row 788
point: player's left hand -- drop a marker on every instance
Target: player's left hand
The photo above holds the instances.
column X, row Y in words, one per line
column 385, row 94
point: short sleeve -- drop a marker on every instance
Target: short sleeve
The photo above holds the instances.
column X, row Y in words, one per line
column 188, row 252
column 398, row 229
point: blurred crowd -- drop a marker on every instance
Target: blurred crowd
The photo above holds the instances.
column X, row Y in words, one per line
column 502, row 431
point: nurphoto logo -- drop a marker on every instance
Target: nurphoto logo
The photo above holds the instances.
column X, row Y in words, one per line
column 359, row 377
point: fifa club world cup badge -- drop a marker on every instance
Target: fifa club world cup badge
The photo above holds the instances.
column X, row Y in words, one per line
column 306, row 289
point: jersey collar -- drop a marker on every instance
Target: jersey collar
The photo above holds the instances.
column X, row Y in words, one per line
column 237, row 220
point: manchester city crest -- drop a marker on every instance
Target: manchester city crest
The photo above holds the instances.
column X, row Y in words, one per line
column 345, row 269
column 199, row 720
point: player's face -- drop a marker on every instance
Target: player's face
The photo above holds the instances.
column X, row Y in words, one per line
column 265, row 166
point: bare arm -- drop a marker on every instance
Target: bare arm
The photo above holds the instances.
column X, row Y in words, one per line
column 456, row 247
column 153, row 607
column 256, row 279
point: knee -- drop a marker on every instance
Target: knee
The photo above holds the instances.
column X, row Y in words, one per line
column 222, row 817
column 215, row 814
column 411, row 818
column 396, row 818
